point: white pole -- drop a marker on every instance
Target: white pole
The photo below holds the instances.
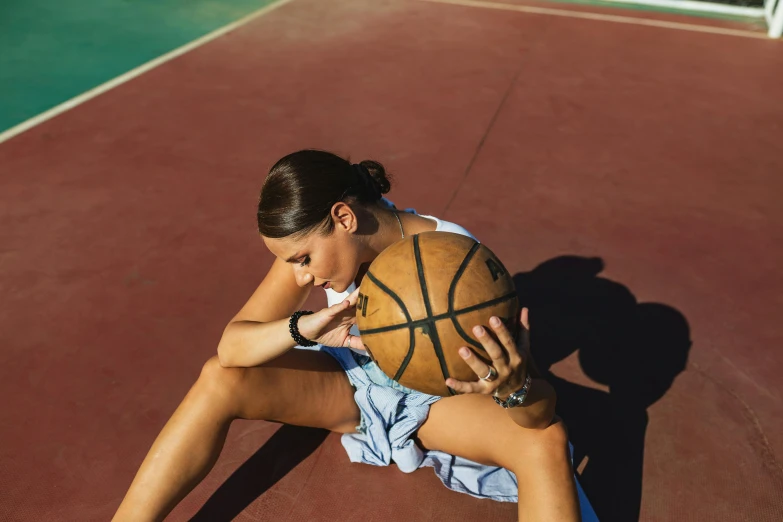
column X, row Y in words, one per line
column 699, row 6
column 774, row 18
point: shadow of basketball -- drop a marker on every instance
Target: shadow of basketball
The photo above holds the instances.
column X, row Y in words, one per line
column 636, row 349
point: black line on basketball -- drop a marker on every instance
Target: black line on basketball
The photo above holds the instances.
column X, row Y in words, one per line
column 401, row 304
column 486, row 304
column 493, row 302
column 418, row 323
column 433, row 330
column 453, row 290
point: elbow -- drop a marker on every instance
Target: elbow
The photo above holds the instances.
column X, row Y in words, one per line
column 540, row 419
column 543, row 421
column 224, row 356
column 226, row 351
column 543, row 407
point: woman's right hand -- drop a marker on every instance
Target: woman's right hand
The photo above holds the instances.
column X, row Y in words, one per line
column 332, row 326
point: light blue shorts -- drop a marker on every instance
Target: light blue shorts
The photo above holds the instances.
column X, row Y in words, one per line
column 390, row 416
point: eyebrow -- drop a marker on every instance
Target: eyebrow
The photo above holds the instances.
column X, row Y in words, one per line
column 293, row 257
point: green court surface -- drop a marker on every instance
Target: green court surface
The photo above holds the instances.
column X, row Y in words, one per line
column 51, row 51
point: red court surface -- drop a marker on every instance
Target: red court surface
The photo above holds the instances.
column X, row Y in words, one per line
column 127, row 241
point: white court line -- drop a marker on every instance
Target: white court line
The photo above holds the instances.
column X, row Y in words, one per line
column 133, row 73
column 604, row 17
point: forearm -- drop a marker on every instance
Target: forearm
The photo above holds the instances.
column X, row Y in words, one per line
column 539, row 408
column 250, row 343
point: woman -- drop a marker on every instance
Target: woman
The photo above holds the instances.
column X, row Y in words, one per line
column 325, row 220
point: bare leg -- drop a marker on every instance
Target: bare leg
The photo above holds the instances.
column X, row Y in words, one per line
column 301, row 387
column 474, row 427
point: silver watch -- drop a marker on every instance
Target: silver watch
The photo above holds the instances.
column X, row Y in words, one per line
column 517, row 398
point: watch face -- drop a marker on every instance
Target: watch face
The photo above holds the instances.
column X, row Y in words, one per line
column 516, row 399
column 513, row 400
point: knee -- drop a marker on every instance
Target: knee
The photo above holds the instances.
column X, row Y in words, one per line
column 219, row 379
column 555, row 435
column 547, row 448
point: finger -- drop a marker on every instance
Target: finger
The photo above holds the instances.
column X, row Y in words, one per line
column 479, row 367
column 465, row 387
column 506, row 340
column 342, row 306
column 352, row 341
column 356, row 343
column 352, row 297
column 493, row 349
column 524, row 318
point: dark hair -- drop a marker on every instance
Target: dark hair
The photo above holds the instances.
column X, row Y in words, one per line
column 300, row 190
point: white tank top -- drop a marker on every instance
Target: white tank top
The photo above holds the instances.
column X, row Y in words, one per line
column 333, row 297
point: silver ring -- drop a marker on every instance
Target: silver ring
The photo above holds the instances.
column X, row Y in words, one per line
column 349, row 340
column 491, row 376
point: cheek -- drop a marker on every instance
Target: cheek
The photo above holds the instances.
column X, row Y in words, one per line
column 331, row 261
column 345, row 259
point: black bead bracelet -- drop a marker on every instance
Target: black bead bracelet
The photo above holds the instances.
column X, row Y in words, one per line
column 293, row 327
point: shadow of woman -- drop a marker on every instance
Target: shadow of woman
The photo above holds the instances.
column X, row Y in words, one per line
column 634, row 349
column 286, row 449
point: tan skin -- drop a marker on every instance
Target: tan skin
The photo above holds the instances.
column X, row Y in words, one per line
column 257, row 375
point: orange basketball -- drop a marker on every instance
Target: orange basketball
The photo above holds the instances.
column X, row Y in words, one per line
column 419, row 302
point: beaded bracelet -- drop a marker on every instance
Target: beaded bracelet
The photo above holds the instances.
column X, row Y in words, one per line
column 293, row 327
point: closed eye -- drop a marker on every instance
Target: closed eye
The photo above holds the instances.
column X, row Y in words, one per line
column 305, row 261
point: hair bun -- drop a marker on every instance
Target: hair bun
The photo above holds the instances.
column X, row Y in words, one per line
column 374, row 178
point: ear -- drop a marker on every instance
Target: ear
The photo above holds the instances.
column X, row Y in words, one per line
column 344, row 218
column 524, row 319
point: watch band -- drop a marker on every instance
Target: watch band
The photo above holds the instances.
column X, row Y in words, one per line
column 517, row 398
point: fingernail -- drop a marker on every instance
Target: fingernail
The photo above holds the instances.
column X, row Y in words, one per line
column 464, row 352
column 494, row 321
column 479, row 331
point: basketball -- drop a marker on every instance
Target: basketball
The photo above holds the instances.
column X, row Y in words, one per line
column 419, row 302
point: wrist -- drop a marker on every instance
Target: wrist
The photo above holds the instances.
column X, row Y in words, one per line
column 516, row 398
column 301, row 338
column 515, row 388
column 304, row 325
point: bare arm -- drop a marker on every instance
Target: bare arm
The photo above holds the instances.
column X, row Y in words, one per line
column 259, row 332
column 539, row 408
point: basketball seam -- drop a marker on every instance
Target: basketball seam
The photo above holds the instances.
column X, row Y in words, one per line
column 452, row 315
column 428, row 308
column 401, row 304
column 453, row 290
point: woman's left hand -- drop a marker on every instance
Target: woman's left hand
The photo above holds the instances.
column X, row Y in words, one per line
column 507, row 360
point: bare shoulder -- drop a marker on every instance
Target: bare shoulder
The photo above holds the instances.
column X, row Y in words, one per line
column 415, row 224
column 277, row 297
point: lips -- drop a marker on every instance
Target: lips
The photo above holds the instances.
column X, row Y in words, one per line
column 326, row 285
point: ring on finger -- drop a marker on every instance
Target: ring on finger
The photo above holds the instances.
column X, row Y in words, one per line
column 349, row 340
column 491, row 375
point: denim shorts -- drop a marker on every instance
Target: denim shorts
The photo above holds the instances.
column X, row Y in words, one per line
column 390, row 415
column 376, row 375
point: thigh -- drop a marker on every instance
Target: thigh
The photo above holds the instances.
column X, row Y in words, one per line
column 301, row 387
column 474, row 427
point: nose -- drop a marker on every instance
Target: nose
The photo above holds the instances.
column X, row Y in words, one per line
column 303, row 278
